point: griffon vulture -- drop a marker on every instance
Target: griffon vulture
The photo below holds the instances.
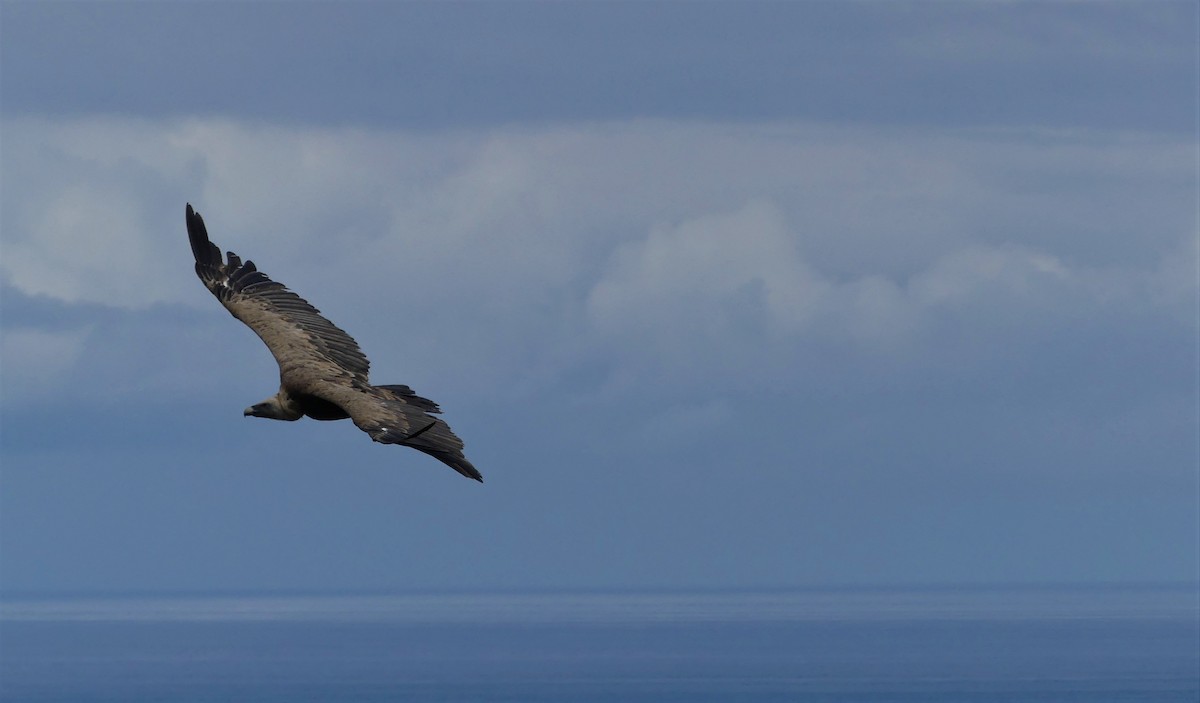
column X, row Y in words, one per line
column 322, row 372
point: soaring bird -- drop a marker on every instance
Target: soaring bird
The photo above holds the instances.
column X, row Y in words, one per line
column 322, row 372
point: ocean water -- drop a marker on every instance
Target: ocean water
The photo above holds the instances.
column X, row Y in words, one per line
column 978, row 644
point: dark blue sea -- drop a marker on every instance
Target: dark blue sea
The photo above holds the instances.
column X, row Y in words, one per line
column 928, row 645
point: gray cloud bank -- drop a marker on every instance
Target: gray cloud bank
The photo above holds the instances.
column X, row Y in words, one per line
column 875, row 346
column 676, row 252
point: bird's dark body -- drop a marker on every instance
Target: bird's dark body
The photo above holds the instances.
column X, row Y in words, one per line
column 319, row 408
column 322, row 372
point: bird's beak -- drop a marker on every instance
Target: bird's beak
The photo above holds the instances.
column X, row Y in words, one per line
column 248, row 412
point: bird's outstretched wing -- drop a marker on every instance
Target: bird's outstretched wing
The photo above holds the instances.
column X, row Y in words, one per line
column 295, row 332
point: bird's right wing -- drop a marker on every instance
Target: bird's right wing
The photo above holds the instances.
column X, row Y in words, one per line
column 394, row 421
column 295, row 332
column 395, row 415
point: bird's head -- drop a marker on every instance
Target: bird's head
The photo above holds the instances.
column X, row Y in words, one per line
column 273, row 409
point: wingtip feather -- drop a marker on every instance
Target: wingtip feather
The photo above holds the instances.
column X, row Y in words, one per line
column 459, row 463
column 202, row 248
column 470, row 471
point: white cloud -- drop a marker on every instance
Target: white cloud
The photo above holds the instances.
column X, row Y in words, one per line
column 508, row 255
column 733, row 291
column 707, row 276
column 88, row 245
column 961, row 276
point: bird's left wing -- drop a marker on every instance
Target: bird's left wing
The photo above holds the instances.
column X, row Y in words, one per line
column 295, row 332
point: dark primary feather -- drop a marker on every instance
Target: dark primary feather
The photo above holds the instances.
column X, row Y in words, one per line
column 206, row 253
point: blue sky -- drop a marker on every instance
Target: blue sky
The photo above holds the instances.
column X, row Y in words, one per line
column 718, row 295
